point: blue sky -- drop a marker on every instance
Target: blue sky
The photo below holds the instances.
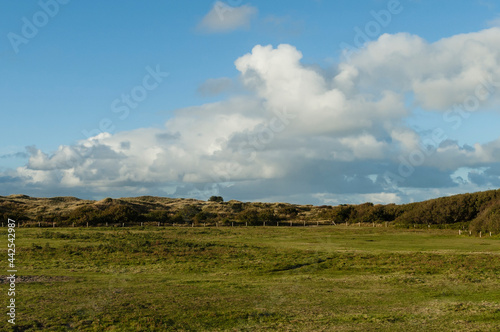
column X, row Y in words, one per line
column 218, row 91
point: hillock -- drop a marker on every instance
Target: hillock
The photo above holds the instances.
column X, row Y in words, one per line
column 475, row 211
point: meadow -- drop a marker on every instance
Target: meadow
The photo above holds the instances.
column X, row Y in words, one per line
column 327, row 278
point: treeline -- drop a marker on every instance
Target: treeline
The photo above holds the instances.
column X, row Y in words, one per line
column 477, row 212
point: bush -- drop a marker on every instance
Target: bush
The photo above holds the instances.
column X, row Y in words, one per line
column 157, row 215
column 268, row 215
column 85, row 214
column 94, row 216
column 488, row 221
column 120, row 213
column 187, row 213
column 236, row 207
column 250, row 216
column 288, row 212
column 217, row 199
column 203, row 216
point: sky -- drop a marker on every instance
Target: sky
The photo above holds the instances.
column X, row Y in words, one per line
column 300, row 101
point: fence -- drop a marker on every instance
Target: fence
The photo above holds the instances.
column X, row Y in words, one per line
column 291, row 223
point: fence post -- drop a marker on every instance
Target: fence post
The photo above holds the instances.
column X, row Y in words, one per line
column 53, row 224
column 480, row 234
column 290, row 223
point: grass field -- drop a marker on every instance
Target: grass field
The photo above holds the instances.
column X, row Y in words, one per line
column 331, row 278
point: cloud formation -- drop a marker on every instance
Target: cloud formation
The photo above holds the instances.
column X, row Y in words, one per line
column 450, row 71
column 225, row 18
column 300, row 135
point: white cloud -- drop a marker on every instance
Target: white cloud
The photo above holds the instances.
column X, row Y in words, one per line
column 364, row 147
column 296, row 132
column 450, row 71
column 225, row 18
column 278, row 77
column 375, row 198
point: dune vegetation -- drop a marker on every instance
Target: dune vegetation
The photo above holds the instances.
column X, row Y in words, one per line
column 477, row 212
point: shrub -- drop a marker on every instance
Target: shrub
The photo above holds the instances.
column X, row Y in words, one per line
column 157, row 215
column 250, row 216
column 217, row 199
column 187, row 213
column 120, row 213
column 268, row 215
column 488, row 221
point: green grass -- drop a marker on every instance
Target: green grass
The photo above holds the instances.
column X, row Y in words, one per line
column 253, row 279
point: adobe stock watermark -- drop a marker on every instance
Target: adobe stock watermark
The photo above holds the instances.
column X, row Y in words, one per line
column 128, row 101
column 12, row 270
column 483, row 91
column 31, row 26
column 372, row 29
column 256, row 141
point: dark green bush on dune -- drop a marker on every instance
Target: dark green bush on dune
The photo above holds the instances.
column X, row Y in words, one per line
column 487, row 221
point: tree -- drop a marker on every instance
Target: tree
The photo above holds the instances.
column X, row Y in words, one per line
column 217, row 199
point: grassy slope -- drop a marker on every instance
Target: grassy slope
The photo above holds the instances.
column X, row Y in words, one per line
column 257, row 278
column 477, row 212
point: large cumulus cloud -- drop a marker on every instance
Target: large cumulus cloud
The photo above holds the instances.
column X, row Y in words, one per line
column 299, row 134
